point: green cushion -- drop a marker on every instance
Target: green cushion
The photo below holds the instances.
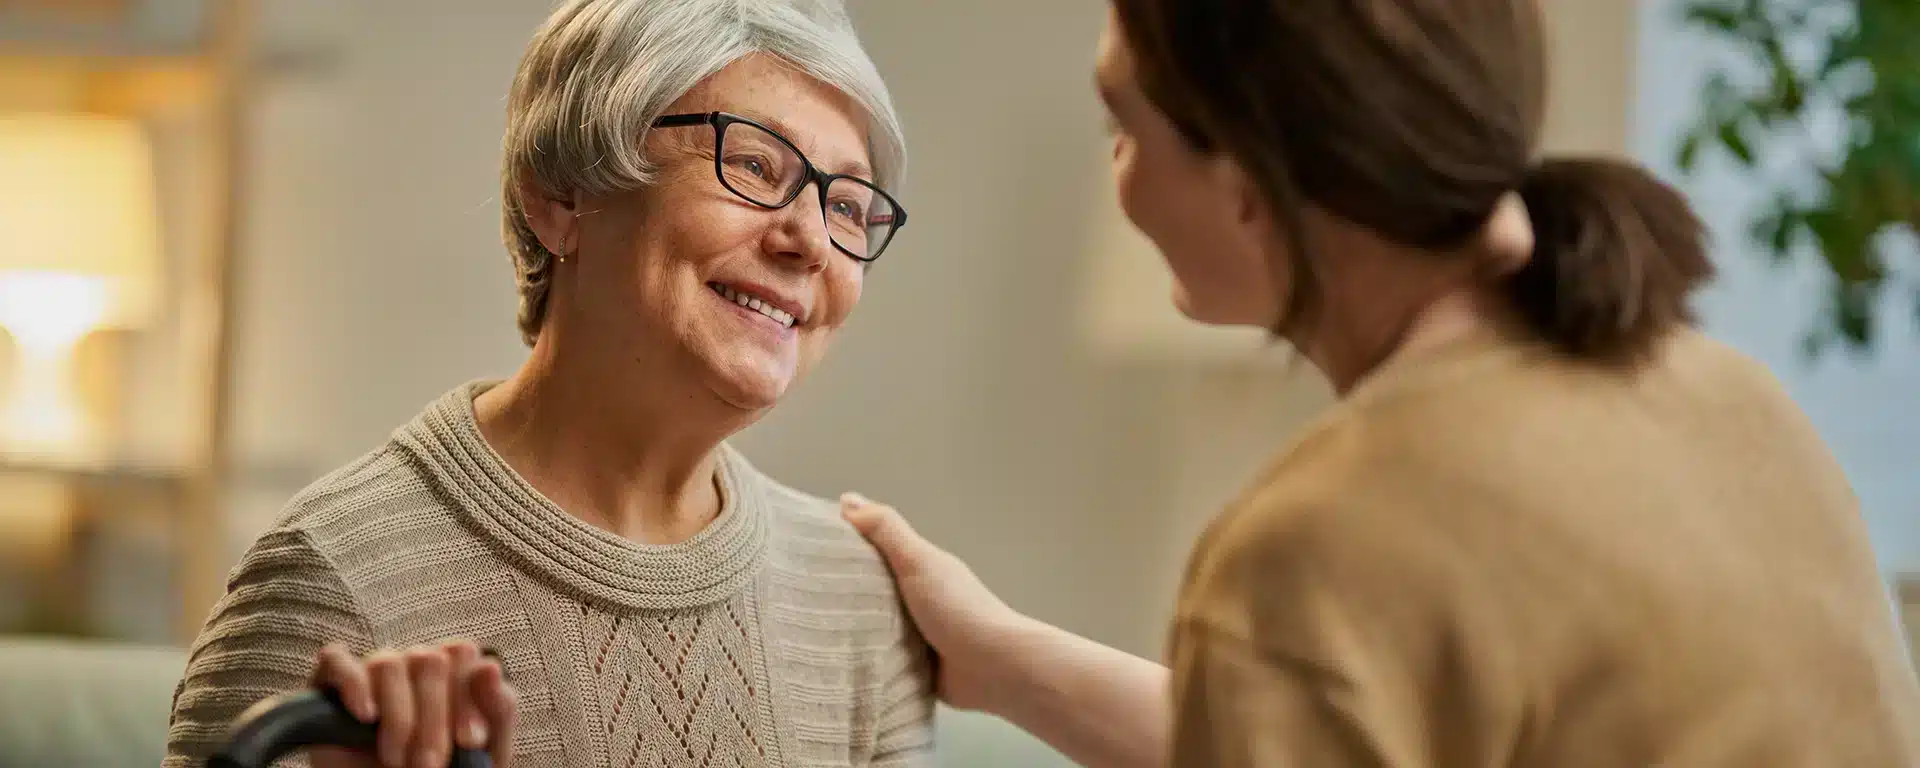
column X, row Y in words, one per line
column 974, row 740
column 85, row 703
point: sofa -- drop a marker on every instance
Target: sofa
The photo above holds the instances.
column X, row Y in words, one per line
column 69, row 702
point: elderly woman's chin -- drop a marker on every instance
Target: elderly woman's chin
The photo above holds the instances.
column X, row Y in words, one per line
column 750, row 376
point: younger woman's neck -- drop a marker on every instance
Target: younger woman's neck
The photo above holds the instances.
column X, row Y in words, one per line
column 644, row 471
column 1349, row 354
column 1379, row 301
column 1456, row 315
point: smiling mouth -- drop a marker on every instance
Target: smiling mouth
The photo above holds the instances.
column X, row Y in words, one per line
column 753, row 303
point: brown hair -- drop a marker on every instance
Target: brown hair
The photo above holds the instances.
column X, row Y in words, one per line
column 1413, row 118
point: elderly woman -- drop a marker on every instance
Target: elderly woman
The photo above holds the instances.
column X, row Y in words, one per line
column 693, row 192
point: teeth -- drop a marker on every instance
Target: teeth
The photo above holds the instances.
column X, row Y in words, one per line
column 780, row 316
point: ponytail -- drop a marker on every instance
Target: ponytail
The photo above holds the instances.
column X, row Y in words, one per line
column 1616, row 255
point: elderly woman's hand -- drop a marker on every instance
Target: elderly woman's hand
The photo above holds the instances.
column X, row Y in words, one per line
column 428, row 699
column 960, row 618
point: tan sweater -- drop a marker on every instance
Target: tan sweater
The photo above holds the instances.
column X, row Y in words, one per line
column 774, row 637
column 1489, row 556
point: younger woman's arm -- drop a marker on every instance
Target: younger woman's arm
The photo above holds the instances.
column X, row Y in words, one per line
column 1099, row 706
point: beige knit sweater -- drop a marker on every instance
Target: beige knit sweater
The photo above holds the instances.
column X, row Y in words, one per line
column 772, row 638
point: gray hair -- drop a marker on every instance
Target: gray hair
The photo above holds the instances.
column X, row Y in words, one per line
column 600, row 72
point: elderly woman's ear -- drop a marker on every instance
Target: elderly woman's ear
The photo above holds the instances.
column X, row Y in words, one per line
column 555, row 219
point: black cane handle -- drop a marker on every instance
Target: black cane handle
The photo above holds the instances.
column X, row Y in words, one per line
column 288, row 723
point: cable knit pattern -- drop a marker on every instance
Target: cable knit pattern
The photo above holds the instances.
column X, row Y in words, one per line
column 772, row 638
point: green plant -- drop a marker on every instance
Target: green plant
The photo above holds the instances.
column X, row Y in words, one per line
column 1854, row 63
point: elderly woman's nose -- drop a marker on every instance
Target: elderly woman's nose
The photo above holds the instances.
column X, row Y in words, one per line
column 801, row 233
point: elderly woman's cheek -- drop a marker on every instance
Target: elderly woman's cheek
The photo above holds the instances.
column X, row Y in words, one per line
column 856, row 285
column 840, row 291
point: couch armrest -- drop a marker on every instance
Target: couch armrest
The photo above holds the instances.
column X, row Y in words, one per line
column 72, row 702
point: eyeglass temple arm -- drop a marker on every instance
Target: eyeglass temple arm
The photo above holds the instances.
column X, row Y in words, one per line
column 678, row 121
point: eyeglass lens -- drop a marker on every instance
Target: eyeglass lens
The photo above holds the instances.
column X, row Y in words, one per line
column 765, row 169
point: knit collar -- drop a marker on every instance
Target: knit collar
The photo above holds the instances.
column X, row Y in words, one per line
column 551, row 544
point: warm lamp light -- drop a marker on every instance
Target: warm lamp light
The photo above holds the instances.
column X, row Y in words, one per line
column 81, row 253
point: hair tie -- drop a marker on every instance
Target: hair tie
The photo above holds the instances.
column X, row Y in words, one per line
column 1508, row 234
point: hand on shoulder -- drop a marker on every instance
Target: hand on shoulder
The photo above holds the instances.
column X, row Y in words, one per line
column 961, row 619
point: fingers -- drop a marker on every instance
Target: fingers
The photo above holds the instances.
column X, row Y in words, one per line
column 469, row 726
column 428, row 670
column 394, row 692
column 340, row 671
column 335, row 757
column 427, row 700
column 883, row 527
column 497, row 703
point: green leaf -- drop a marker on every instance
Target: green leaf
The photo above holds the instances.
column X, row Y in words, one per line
column 1859, row 102
column 1849, row 253
column 1824, row 225
column 1688, row 156
column 1814, row 343
column 1853, row 314
column 1717, row 92
column 1774, row 230
column 1788, row 95
column 1734, row 138
column 1842, row 243
column 1869, row 68
column 1843, row 52
column 1782, row 241
column 1714, row 16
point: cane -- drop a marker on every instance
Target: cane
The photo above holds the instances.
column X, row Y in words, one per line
column 284, row 724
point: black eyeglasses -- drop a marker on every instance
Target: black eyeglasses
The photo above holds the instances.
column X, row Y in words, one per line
column 762, row 167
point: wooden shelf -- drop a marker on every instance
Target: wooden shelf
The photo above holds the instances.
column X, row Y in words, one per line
column 103, row 56
column 107, row 473
column 117, row 29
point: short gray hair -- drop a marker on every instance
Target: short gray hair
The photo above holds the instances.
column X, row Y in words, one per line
column 600, row 72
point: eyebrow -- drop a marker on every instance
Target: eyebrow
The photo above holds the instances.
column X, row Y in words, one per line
column 845, row 168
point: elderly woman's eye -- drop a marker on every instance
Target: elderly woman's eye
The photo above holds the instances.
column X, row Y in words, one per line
column 754, row 165
column 850, row 211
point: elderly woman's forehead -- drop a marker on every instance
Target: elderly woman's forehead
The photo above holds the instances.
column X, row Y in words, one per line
column 788, row 101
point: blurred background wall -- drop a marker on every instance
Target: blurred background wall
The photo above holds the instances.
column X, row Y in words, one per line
column 965, row 391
